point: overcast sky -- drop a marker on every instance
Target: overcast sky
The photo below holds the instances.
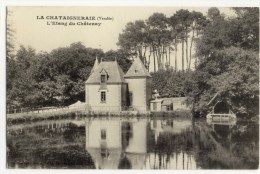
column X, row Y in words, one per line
column 30, row 31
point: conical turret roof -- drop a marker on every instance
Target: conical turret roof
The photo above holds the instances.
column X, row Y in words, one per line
column 95, row 65
column 137, row 69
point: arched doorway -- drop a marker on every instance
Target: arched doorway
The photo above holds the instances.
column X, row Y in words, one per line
column 221, row 108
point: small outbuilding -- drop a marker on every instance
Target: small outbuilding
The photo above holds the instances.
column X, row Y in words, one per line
column 220, row 108
column 169, row 104
column 156, row 105
column 219, row 105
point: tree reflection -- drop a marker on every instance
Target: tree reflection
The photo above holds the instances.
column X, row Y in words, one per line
column 48, row 146
column 229, row 147
column 124, row 163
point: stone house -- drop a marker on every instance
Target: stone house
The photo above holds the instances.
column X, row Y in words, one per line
column 109, row 89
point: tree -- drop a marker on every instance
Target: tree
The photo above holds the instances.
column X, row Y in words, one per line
column 22, row 83
column 214, row 37
column 175, row 35
column 10, row 37
column 199, row 22
column 160, row 37
column 184, row 21
column 134, row 39
column 122, row 57
column 70, row 67
column 246, row 25
column 227, row 63
column 10, row 59
column 213, row 13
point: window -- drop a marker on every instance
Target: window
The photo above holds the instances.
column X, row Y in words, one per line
column 130, row 98
column 103, row 134
column 103, row 78
column 155, row 106
column 103, row 96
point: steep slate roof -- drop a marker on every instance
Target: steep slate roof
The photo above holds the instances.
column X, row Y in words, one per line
column 115, row 73
column 95, row 65
column 137, row 69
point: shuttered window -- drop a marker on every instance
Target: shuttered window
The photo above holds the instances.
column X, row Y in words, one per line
column 103, row 96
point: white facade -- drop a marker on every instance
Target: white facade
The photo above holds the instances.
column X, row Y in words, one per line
column 138, row 143
column 113, row 97
column 156, row 105
column 112, row 130
column 137, row 88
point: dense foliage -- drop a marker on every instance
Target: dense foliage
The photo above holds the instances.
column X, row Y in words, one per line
column 55, row 78
column 228, row 53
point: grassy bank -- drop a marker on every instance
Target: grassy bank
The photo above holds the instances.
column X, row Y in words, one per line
column 71, row 114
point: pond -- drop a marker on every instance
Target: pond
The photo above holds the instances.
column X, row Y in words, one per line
column 117, row 143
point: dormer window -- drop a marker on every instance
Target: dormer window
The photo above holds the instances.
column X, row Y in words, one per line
column 103, row 78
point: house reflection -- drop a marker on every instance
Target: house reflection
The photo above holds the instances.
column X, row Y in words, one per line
column 103, row 142
column 117, row 144
column 134, row 144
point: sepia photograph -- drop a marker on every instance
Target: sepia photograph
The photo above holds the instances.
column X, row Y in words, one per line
column 92, row 87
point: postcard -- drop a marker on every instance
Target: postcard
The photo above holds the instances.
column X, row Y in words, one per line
column 132, row 87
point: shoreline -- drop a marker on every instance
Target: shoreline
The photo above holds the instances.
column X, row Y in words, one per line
column 33, row 117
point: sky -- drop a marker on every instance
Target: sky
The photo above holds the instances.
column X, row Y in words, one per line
column 30, row 31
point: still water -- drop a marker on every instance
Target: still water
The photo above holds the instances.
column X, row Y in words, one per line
column 116, row 143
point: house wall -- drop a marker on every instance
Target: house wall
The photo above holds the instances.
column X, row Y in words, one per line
column 148, row 92
column 124, row 96
column 180, row 105
column 164, row 108
column 138, row 88
column 158, row 106
column 113, row 97
column 137, row 143
column 93, row 133
column 167, row 107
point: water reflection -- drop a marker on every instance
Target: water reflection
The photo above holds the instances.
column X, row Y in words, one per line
column 133, row 144
column 138, row 144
